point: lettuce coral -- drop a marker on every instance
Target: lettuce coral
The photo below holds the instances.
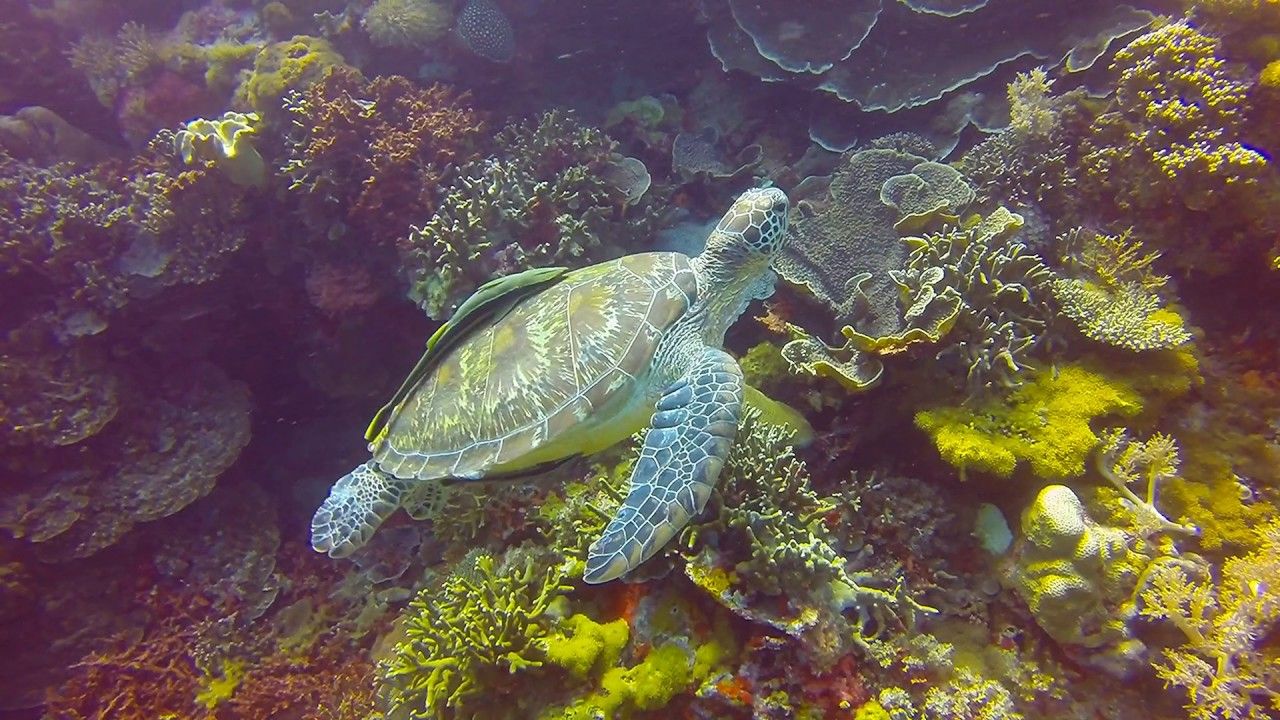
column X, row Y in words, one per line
column 226, row 143
column 1045, row 423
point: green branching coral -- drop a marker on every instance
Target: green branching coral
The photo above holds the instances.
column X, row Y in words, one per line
column 765, row 554
column 541, row 200
column 1113, row 297
column 1224, row 667
column 1176, row 129
column 485, row 621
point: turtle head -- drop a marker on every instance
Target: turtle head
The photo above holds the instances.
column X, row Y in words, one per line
column 757, row 221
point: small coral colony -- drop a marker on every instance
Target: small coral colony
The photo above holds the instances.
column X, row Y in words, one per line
column 1012, row 448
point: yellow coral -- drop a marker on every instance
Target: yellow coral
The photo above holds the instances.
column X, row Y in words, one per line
column 1044, row 422
column 285, row 66
column 1179, row 112
column 227, row 142
column 1223, row 665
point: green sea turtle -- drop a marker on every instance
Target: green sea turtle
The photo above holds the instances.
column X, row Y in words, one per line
column 551, row 364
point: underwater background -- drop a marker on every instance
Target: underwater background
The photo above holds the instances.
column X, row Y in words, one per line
column 1025, row 456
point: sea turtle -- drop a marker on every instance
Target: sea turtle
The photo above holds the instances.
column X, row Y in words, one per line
column 550, row 364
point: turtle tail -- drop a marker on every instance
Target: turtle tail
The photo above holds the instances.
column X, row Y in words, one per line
column 356, row 506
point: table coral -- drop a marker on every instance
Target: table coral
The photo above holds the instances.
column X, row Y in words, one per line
column 858, row 53
column 1113, row 293
column 367, row 158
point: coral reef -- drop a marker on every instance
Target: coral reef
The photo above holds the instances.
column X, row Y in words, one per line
column 1175, row 133
column 543, row 199
column 1016, row 290
column 367, row 158
column 1225, row 674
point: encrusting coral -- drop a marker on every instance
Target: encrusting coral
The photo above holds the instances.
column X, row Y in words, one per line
column 1045, row 423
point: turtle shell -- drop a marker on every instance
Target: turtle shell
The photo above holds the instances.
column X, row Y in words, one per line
column 565, row 359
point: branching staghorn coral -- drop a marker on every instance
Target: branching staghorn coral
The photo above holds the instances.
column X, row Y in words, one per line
column 1226, row 671
column 487, row 620
column 765, row 554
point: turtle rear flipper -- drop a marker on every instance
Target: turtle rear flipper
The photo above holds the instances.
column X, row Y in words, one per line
column 356, row 506
column 685, row 448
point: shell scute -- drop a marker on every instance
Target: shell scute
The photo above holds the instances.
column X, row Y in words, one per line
column 553, row 361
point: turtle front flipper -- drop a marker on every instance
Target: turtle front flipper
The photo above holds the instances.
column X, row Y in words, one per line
column 356, row 506
column 686, row 446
